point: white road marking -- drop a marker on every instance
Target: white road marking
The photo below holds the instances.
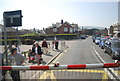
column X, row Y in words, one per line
column 59, row 56
column 109, row 74
column 53, row 62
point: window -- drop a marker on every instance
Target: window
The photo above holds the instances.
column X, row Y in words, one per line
column 71, row 30
column 65, row 29
column 54, row 29
column 74, row 29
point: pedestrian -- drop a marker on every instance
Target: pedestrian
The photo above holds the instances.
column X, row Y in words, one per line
column 15, row 59
column 38, row 53
column 56, row 44
column 2, row 72
column 33, row 49
column 53, row 43
column 31, row 56
column 45, row 46
column 17, row 47
column 30, row 53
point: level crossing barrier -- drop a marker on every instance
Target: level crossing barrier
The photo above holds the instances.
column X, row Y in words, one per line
column 59, row 72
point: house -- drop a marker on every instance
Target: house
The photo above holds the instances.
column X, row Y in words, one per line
column 24, row 31
column 114, row 28
column 62, row 28
column 9, row 31
column 38, row 31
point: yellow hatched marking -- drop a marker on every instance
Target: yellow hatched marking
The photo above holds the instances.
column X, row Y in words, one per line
column 105, row 76
column 118, row 72
column 50, row 74
column 47, row 74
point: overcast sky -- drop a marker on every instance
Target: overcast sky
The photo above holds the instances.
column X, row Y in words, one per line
column 42, row 13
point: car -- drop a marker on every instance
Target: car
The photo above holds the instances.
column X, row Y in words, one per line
column 97, row 40
column 83, row 37
column 102, row 42
column 112, row 47
column 94, row 37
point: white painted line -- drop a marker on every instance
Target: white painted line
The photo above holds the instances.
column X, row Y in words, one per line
column 109, row 74
column 59, row 56
column 47, row 63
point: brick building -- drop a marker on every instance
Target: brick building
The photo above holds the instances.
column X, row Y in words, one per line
column 114, row 28
column 62, row 28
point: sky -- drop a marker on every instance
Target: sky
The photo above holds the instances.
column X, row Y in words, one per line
column 42, row 13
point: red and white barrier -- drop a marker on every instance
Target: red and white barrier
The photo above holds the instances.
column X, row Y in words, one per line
column 53, row 67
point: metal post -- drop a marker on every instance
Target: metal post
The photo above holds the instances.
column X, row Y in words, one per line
column 5, row 42
column 17, row 35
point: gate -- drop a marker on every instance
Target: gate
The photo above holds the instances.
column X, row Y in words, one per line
column 80, row 72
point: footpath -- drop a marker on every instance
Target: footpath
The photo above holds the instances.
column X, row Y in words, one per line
column 47, row 58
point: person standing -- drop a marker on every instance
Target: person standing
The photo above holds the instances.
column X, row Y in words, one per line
column 45, row 46
column 38, row 53
column 56, row 44
column 15, row 59
column 33, row 49
column 18, row 48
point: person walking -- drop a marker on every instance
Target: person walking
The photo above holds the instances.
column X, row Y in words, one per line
column 56, row 44
column 15, row 59
column 53, row 43
column 45, row 46
column 38, row 53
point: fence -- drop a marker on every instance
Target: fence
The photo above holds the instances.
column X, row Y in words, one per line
column 98, row 72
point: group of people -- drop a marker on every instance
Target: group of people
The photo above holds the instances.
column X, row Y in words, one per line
column 55, row 44
column 36, row 52
column 16, row 57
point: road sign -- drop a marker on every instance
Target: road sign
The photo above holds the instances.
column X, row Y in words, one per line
column 12, row 18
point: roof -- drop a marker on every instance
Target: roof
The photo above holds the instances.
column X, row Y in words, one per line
column 116, row 23
column 58, row 24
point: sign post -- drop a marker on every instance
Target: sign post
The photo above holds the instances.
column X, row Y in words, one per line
column 11, row 19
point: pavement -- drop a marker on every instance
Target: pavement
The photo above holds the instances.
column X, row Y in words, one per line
column 47, row 58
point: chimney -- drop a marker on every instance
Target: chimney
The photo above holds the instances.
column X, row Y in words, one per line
column 61, row 21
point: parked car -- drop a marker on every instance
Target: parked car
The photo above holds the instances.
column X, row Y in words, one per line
column 112, row 47
column 102, row 42
column 97, row 40
column 94, row 37
column 83, row 37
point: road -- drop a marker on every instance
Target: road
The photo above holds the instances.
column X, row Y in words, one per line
column 79, row 52
column 82, row 52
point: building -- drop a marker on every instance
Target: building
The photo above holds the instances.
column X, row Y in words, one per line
column 24, row 31
column 9, row 31
column 37, row 31
column 62, row 28
column 114, row 28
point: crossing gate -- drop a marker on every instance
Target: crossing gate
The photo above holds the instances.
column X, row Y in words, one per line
column 81, row 72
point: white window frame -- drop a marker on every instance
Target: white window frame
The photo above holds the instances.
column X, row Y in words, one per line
column 54, row 29
column 71, row 30
column 65, row 29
